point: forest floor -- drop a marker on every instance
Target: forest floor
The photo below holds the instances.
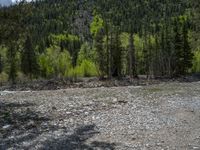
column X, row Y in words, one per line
column 155, row 117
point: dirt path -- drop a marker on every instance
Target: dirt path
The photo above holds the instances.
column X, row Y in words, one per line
column 164, row 116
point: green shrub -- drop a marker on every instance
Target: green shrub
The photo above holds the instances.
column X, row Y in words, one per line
column 196, row 62
column 71, row 73
column 54, row 63
column 86, row 69
column 3, row 77
column 86, row 52
column 21, row 77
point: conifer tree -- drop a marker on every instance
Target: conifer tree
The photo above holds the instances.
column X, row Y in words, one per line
column 178, row 49
column 29, row 64
column 187, row 51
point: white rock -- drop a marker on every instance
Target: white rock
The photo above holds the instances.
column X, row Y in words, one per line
column 86, row 113
column 114, row 100
column 68, row 113
column 6, row 126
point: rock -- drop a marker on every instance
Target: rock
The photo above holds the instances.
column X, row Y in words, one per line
column 86, row 113
column 122, row 102
column 54, row 108
column 68, row 113
column 31, row 124
column 6, row 127
column 114, row 100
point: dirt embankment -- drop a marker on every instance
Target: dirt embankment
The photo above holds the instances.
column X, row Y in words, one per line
column 55, row 84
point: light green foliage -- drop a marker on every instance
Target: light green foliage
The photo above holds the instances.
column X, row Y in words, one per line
column 72, row 73
column 124, row 37
column 64, row 62
column 96, row 25
column 54, row 63
column 86, row 69
column 86, row 52
column 196, row 61
column 138, row 43
column 3, row 52
column 58, row 38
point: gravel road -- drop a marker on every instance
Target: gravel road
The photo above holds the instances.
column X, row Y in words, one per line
column 155, row 117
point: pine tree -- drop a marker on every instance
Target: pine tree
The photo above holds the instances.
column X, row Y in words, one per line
column 187, row 51
column 100, row 52
column 178, row 48
column 12, row 61
column 29, row 64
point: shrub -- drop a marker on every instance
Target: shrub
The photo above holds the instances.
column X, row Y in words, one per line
column 87, row 69
column 21, row 77
column 54, row 63
column 86, row 52
column 3, row 77
column 196, row 62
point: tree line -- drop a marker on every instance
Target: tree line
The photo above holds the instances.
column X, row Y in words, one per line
column 104, row 38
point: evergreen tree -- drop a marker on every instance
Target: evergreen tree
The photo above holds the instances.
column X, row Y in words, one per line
column 12, row 61
column 29, row 64
column 178, row 48
column 187, row 51
column 100, row 53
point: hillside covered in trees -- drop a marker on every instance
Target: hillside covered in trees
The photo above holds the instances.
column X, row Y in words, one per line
column 105, row 38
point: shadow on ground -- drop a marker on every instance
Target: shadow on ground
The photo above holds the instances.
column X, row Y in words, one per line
column 23, row 128
column 78, row 141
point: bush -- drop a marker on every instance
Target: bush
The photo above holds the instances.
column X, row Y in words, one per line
column 3, row 77
column 196, row 62
column 86, row 69
column 86, row 52
column 54, row 63
column 21, row 77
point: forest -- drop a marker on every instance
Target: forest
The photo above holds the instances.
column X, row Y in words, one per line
column 68, row 39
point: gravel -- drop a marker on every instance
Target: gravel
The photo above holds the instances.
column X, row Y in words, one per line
column 155, row 117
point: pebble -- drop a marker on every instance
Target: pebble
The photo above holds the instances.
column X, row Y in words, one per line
column 141, row 118
column 6, row 126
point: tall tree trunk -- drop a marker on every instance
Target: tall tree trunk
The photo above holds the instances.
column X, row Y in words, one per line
column 109, row 72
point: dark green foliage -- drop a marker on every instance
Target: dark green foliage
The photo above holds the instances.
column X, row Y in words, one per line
column 12, row 60
column 1, row 64
column 187, row 51
column 117, row 56
column 178, row 49
column 100, row 53
column 29, row 64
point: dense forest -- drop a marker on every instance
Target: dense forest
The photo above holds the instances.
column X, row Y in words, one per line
column 105, row 38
